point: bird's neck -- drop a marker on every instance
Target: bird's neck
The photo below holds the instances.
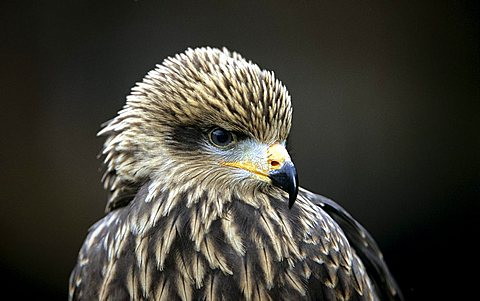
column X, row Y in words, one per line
column 206, row 218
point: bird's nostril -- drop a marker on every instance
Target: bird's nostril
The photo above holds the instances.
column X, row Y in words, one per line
column 274, row 163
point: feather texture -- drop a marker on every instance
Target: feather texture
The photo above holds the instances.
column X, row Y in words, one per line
column 253, row 273
column 180, row 225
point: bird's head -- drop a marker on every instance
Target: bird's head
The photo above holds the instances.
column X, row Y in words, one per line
column 205, row 117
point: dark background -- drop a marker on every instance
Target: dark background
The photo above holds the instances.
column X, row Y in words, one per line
column 386, row 120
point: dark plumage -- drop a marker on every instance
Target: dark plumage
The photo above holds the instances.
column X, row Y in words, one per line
column 200, row 185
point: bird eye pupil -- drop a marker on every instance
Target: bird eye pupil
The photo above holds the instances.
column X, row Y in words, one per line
column 221, row 137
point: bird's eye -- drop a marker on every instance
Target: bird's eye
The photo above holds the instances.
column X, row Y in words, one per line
column 221, row 137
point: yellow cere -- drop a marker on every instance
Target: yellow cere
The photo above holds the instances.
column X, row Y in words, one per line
column 277, row 155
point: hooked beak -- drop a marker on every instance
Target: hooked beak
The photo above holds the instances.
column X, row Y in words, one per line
column 283, row 173
column 286, row 178
column 279, row 170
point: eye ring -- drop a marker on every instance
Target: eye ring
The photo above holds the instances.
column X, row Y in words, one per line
column 221, row 137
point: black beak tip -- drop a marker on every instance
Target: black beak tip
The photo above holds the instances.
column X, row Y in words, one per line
column 291, row 201
column 292, row 194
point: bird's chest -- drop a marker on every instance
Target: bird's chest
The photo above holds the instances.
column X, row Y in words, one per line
column 243, row 252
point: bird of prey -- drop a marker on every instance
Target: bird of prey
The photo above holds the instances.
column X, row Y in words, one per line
column 204, row 201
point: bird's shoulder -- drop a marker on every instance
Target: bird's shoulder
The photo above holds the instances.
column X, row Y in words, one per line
column 361, row 242
column 97, row 257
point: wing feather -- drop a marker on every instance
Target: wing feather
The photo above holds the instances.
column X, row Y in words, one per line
column 363, row 244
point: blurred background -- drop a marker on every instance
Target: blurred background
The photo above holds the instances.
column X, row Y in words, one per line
column 386, row 120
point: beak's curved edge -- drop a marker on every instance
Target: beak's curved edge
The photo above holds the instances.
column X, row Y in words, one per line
column 286, row 178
